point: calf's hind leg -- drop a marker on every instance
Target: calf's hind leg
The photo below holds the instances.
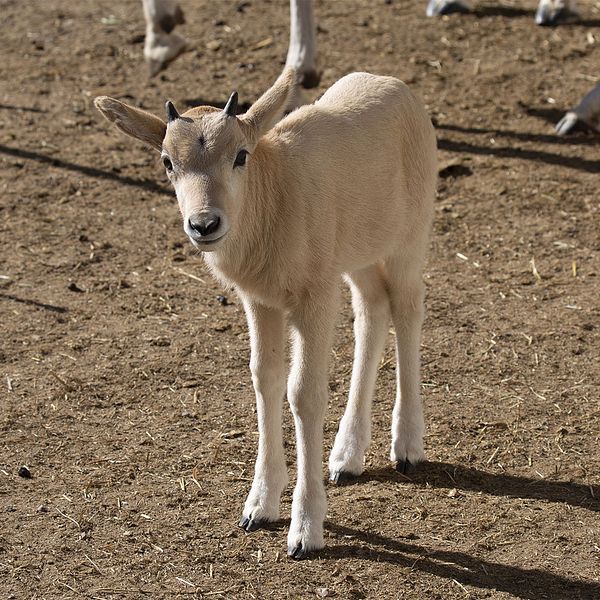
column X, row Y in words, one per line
column 406, row 292
column 371, row 320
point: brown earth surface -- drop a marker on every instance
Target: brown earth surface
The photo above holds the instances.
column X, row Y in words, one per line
column 124, row 381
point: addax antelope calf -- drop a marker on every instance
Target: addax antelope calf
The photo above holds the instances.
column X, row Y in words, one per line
column 283, row 210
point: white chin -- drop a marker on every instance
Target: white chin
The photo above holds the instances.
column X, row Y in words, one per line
column 210, row 246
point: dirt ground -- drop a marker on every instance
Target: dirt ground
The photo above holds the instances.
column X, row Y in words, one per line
column 124, row 381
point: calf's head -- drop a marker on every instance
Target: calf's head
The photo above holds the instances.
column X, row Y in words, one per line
column 207, row 153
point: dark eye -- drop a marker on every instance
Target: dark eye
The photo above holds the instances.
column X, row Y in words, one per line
column 240, row 159
column 167, row 163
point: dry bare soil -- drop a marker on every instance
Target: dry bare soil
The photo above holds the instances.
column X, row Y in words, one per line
column 125, row 388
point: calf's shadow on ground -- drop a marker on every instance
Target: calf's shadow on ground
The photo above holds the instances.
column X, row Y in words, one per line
column 448, row 475
column 463, row 568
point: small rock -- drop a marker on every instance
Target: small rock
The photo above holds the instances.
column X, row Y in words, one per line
column 73, row 287
column 24, row 472
column 214, row 45
column 222, row 300
column 42, row 508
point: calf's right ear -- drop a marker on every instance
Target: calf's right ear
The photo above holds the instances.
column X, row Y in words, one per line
column 133, row 121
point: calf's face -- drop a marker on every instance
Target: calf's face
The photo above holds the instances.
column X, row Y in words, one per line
column 205, row 154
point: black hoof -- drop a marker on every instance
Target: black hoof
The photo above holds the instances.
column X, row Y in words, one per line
column 310, row 80
column 298, row 553
column 405, row 467
column 250, row 525
column 340, row 477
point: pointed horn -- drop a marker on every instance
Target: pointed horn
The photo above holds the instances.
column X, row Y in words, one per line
column 172, row 113
column 231, row 107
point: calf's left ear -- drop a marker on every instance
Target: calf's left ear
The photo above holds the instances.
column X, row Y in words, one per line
column 271, row 106
column 133, row 121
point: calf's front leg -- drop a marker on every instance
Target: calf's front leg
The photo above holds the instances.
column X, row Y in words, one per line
column 312, row 332
column 267, row 364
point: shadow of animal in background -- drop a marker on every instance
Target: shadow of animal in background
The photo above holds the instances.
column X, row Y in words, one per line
column 146, row 184
column 587, row 137
column 570, row 162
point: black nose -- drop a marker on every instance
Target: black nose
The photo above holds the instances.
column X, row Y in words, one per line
column 206, row 225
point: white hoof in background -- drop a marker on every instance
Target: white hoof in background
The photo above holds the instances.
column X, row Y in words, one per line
column 437, row 8
column 160, row 49
column 587, row 111
column 553, row 12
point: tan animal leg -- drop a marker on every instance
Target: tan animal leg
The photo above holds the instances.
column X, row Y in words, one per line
column 371, row 321
column 312, row 334
column 406, row 292
column 267, row 365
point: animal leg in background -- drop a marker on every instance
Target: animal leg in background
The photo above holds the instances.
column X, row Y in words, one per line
column 549, row 12
column 162, row 45
column 301, row 54
column 587, row 111
column 553, row 12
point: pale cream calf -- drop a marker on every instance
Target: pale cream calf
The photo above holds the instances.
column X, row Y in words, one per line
column 282, row 211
